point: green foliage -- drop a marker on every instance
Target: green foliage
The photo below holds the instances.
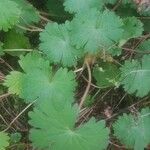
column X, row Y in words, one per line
column 80, row 6
column 4, row 140
column 122, row 2
column 56, row 123
column 133, row 130
column 1, row 49
column 29, row 14
column 39, row 81
column 56, row 44
column 10, row 13
column 14, row 42
column 97, row 35
column 89, row 101
column 106, row 75
column 92, row 30
column 15, row 137
column 145, row 46
column 56, row 10
column 135, row 76
column 132, row 28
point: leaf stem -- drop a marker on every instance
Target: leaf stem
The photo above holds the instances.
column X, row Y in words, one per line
column 31, row 30
column 88, row 86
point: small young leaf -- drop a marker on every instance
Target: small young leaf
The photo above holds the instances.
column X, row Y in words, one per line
column 106, row 75
column 54, row 128
column 133, row 131
column 15, row 137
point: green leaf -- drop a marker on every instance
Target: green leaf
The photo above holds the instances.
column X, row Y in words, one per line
column 4, row 140
column 106, row 75
column 15, row 137
column 14, row 40
column 135, row 76
column 96, row 31
column 115, row 51
column 126, row 11
column 55, row 43
column 133, row 131
column 132, row 28
column 110, row 1
column 1, row 49
column 14, row 82
column 53, row 127
column 10, row 13
column 144, row 46
column 38, row 81
column 79, row 6
column 29, row 14
column 56, row 10
column 146, row 23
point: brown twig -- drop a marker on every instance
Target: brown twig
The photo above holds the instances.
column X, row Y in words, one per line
column 30, row 29
column 88, row 86
column 44, row 19
column 117, row 5
column 28, row 106
column 136, row 51
column 8, row 65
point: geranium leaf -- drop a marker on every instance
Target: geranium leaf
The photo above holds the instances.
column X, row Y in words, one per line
column 92, row 30
column 53, row 127
column 38, row 81
column 133, row 131
column 10, row 14
column 135, row 76
column 55, row 43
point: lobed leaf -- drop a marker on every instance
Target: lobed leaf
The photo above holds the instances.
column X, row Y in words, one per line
column 53, row 127
column 56, row 44
column 39, row 82
column 133, row 131
column 10, row 14
column 29, row 14
column 80, row 6
column 132, row 28
column 92, row 30
column 135, row 76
